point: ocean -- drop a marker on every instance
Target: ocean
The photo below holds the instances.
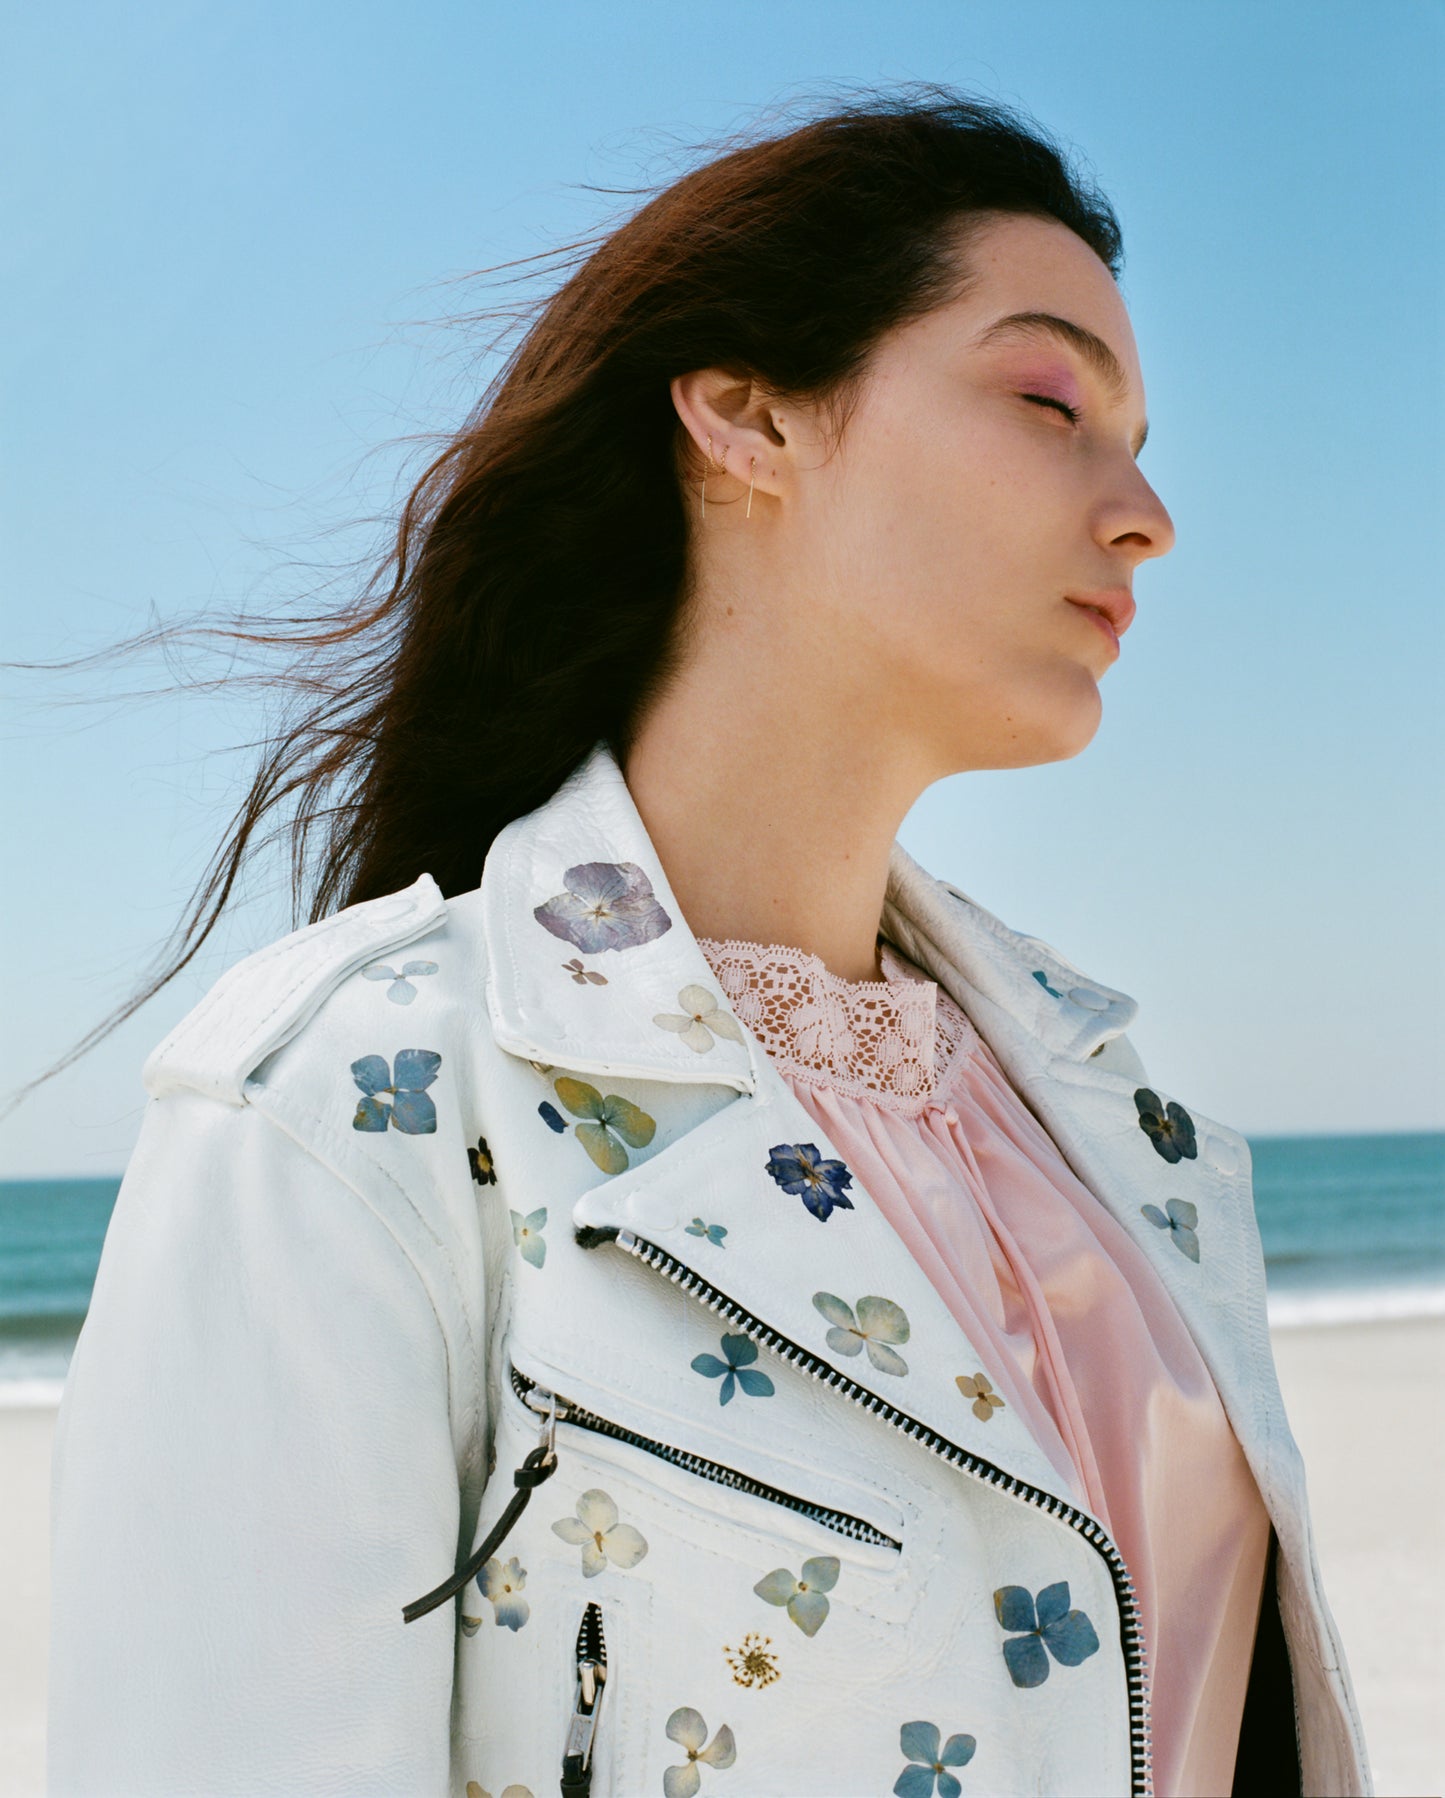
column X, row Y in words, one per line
column 1353, row 1229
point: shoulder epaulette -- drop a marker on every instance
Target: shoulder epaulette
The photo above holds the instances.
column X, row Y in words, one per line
column 264, row 1000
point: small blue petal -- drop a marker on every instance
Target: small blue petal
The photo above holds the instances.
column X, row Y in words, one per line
column 1026, row 1661
column 958, row 1751
column 1071, row 1639
column 919, row 1741
column 371, row 1074
column 414, row 1114
column 371, row 1114
column 1014, row 1607
column 416, row 1069
column 1053, row 1603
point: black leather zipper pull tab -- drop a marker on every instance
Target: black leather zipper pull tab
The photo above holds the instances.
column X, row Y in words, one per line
column 591, row 1684
column 540, row 1464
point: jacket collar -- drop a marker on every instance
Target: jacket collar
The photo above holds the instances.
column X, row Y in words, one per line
column 575, row 884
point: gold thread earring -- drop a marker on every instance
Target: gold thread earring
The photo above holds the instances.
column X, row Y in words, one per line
column 752, row 464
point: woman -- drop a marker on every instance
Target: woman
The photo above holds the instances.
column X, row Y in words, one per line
column 656, row 1292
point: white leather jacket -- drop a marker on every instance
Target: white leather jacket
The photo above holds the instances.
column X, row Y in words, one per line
column 436, row 1192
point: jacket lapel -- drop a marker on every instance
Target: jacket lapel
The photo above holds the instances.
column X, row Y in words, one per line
column 590, row 955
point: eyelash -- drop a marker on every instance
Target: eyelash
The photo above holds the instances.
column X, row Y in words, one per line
column 1041, row 399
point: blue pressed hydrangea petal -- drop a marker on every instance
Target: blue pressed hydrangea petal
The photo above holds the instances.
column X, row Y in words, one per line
column 1053, row 1602
column 1071, row 1639
column 914, row 1782
column 416, row 1069
column 371, row 1074
column 1014, row 1607
column 919, row 1741
column 957, row 1751
column 414, row 1114
column 1026, row 1661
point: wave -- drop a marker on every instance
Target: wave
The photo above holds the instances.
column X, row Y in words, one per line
column 1311, row 1307
column 20, row 1394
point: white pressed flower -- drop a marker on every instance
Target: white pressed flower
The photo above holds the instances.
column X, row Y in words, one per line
column 700, row 1020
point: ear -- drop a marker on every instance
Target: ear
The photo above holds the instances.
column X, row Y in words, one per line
column 754, row 437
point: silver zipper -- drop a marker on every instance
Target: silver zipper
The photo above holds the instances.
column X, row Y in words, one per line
column 539, row 1398
column 591, row 1658
column 1141, row 1752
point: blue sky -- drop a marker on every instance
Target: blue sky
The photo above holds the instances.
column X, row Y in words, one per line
column 229, row 231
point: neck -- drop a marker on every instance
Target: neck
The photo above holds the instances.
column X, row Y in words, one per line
column 771, row 832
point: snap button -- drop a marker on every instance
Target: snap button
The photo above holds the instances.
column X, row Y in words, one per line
column 650, row 1211
column 1224, row 1154
column 1089, row 1000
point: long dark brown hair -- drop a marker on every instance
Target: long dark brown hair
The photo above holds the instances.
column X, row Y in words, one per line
column 531, row 600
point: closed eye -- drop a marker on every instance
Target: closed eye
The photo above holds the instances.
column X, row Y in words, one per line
column 1043, row 399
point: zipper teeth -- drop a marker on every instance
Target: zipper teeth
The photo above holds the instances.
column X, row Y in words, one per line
column 1135, row 1656
column 591, row 1643
column 842, row 1523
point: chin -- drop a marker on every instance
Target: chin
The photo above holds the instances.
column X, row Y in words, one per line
column 1057, row 734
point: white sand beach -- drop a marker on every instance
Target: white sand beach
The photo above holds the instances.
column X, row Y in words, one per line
column 1375, row 1482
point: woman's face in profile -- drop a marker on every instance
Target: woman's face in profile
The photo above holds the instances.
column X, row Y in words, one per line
column 938, row 545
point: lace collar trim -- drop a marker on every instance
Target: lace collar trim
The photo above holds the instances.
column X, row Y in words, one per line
column 896, row 1042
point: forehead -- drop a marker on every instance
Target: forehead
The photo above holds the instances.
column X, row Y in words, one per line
column 1034, row 265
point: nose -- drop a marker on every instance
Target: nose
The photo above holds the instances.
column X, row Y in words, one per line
column 1138, row 523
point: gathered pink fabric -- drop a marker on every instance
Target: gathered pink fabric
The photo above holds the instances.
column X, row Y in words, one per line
column 1077, row 1330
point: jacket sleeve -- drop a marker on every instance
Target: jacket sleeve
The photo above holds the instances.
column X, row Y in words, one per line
column 254, row 1471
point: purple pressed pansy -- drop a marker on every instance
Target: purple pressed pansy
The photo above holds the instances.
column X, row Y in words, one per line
column 411, row 1108
column 1169, row 1127
column 1068, row 1635
column 799, row 1168
column 607, row 905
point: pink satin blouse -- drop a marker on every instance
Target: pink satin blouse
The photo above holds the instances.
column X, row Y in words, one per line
column 1086, row 1344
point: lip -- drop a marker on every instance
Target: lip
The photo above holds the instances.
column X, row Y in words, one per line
column 1113, row 609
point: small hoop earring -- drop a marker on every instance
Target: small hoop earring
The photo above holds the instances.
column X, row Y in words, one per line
column 752, row 464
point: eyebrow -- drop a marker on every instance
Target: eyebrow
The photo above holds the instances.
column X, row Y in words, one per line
column 1092, row 348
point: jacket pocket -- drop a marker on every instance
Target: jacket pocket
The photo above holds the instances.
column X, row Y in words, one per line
column 540, row 1401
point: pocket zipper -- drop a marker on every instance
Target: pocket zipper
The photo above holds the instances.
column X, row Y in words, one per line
column 540, row 1399
column 591, row 1657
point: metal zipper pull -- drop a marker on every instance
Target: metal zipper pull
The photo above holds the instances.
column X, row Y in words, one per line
column 540, row 1464
column 591, row 1684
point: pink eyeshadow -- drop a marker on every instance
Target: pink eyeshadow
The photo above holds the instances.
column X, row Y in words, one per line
column 1054, row 382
